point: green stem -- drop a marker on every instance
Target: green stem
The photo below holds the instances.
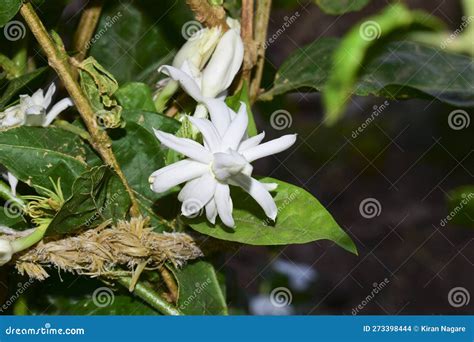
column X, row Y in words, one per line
column 151, row 297
column 25, row 242
column 67, row 126
column 7, row 195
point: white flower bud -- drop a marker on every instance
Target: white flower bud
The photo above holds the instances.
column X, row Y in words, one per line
column 6, row 252
column 198, row 49
column 224, row 64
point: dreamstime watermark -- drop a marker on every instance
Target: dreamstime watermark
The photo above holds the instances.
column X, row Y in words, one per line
column 14, row 30
column 377, row 287
column 47, row 329
column 200, row 287
column 281, row 297
column 109, row 22
column 290, row 198
column 465, row 200
column 370, row 208
column 102, row 297
column 281, row 119
column 377, row 110
column 466, row 21
column 288, row 21
column 370, row 30
column 21, row 288
column 192, row 208
column 458, row 297
column 459, row 119
column 12, row 209
column 99, row 212
column 191, row 30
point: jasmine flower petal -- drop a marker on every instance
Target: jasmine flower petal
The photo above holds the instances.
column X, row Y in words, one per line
column 237, row 129
column 224, row 204
column 56, row 110
column 188, row 147
column 187, row 82
column 177, row 173
column 269, row 148
column 258, row 191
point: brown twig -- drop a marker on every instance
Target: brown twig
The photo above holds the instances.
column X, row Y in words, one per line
column 262, row 16
column 250, row 53
column 99, row 138
column 208, row 14
column 87, row 25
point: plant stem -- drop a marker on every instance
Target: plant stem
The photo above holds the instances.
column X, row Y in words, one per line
column 262, row 17
column 87, row 25
column 151, row 297
column 99, row 139
column 7, row 195
column 25, row 242
column 247, row 37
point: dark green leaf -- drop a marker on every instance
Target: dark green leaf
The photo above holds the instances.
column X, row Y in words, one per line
column 35, row 154
column 234, row 102
column 17, row 84
column 8, row 10
column 336, row 7
column 461, row 207
column 97, row 195
column 199, row 290
column 301, row 219
column 127, row 40
column 135, row 95
column 396, row 70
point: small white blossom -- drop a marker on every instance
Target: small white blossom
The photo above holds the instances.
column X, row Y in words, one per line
column 216, row 77
column 223, row 160
column 300, row 276
column 32, row 111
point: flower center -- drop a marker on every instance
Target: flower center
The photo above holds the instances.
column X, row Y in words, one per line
column 228, row 164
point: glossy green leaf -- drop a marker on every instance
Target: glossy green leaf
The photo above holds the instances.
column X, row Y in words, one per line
column 139, row 153
column 199, row 290
column 234, row 102
column 14, row 86
column 353, row 51
column 135, row 95
column 461, row 207
column 128, row 41
column 397, row 70
column 97, row 195
column 301, row 219
column 336, row 7
column 8, row 10
column 35, row 154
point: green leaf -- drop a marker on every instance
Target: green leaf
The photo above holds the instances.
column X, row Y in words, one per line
column 234, row 103
column 139, row 153
column 128, row 41
column 99, row 86
column 461, row 207
column 97, row 195
column 36, row 154
column 353, row 50
column 135, row 95
column 8, row 10
column 397, row 70
column 301, row 219
column 17, row 84
column 336, row 7
column 199, row 290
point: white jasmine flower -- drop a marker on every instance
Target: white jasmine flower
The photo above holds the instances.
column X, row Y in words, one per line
column 32, row 111
column 300, row 276
column 198, row 49
column 216, row 77
column 224, row 159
